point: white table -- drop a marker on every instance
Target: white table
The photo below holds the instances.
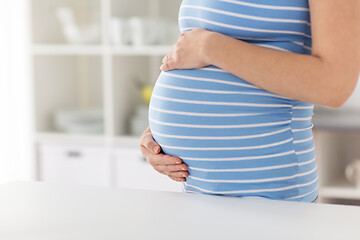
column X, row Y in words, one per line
column 30, row 210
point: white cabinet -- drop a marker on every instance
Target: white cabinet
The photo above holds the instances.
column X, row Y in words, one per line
column 123, row 167
column 74, row 164
column 133, row 171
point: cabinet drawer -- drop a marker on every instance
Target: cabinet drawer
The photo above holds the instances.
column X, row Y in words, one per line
column 74, row 164
column 133, row 171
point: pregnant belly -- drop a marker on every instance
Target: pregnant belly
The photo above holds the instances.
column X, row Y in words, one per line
column 216, row 122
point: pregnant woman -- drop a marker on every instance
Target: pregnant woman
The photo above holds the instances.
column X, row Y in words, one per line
column 231, row 110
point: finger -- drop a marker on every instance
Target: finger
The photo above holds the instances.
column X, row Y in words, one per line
column 174, row 167
column 169, row 169
column 162, row 159
column 179, row 179
column 173, row 172
column 165, row 59
column 181, row 174
column 171, row 64
column 149, row 143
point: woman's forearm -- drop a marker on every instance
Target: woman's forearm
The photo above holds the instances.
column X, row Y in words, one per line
column 303, row 77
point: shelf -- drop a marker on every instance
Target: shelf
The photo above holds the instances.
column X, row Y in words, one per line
column 54, row 49
column 341, row 189
column 69, row 138
column 151, row 50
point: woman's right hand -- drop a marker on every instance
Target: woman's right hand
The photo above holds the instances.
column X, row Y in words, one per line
column 171, row 166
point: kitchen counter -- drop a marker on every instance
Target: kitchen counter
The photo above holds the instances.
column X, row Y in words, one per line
column 32, row 210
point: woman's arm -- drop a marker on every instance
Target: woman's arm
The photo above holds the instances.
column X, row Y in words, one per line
column 327, row 77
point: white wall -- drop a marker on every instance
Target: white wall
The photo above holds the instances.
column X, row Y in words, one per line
column 16, row 154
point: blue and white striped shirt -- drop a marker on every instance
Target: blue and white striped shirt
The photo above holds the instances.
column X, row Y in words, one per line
column 236, row 138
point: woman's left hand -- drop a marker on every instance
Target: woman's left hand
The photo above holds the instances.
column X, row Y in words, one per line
column 188, row 51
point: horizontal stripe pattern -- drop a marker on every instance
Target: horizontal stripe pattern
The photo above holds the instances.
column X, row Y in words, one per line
column 253, row 20
column 281, row 5
column 238, row 139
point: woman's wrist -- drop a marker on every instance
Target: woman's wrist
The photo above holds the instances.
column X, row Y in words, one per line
column 208, row 46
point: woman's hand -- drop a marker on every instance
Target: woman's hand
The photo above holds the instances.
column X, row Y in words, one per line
column 187, row 52
column 171, row 166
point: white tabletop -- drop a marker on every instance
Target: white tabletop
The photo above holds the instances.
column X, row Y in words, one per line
column 40, row 211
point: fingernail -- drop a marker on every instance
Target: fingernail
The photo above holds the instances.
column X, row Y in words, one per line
column 156, row 149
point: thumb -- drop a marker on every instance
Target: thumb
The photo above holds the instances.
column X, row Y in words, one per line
column 156, row 147
column 151, row 144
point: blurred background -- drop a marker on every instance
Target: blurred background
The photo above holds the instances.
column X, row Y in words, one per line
column 75, row 81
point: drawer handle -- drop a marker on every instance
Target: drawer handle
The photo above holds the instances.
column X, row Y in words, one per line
column 73, row 154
